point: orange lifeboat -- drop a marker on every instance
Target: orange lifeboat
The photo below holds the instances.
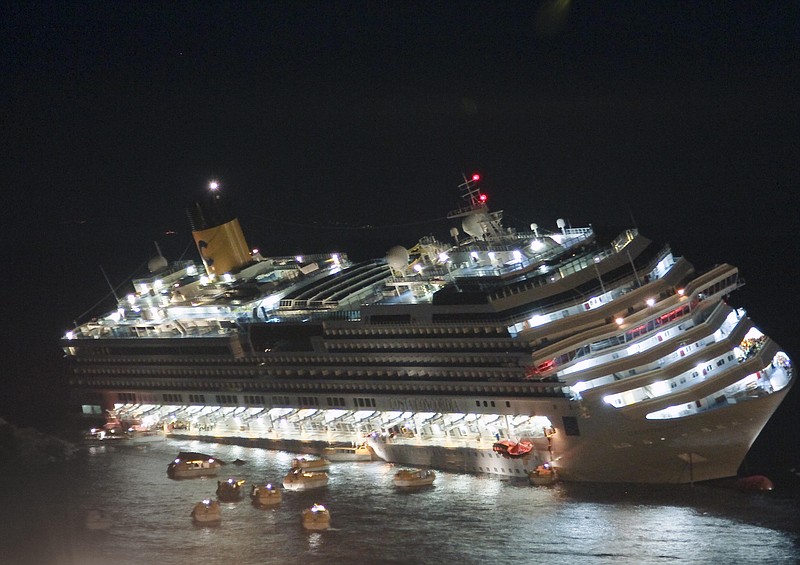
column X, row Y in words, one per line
column 512, row 449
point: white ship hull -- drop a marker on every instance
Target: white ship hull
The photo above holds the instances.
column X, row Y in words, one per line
column 706, row 446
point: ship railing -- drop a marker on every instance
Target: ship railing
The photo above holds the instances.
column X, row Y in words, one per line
column 172, row 268
column 578, row 231
column 617, row 283
column 544, row 279
column 429, row 272
column 624, row 239
column 573, row 236
column 328, row 315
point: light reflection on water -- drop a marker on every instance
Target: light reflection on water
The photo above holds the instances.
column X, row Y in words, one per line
column 462, row 518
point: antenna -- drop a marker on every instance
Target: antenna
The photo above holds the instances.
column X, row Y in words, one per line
column 471, row 194
column 114, row 292
column 630, row 212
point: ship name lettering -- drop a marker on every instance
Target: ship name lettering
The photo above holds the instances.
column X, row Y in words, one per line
column 423, row 404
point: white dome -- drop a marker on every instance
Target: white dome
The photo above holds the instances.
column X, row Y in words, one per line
column 397, row 257
column 472, row 225
column 157, row 263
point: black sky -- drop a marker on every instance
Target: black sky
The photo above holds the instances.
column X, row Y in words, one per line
column 337, row 124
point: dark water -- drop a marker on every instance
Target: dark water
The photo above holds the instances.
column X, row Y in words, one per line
column 462, row 519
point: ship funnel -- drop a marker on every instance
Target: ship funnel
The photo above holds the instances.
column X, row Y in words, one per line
column 218, row 235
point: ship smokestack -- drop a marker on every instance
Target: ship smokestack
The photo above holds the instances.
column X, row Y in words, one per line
column 217, row 234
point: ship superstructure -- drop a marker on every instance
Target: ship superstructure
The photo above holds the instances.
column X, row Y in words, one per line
column 614, row 358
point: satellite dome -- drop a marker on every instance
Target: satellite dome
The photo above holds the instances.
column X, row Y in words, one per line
column 397, row 257
column 472, row 225
column 157, row 263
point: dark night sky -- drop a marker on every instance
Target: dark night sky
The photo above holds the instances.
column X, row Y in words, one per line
column 337, row 124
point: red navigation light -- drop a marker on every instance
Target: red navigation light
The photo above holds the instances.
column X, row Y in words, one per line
column 482, row 198
column 476, row 177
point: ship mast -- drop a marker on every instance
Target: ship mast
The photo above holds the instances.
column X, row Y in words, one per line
column 476, row 211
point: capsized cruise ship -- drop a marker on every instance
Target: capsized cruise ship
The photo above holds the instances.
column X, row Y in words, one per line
column 611, row 360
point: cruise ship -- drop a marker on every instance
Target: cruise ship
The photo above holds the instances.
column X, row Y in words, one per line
column 493, row 351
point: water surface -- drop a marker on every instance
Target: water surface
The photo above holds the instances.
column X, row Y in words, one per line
column 461, row 519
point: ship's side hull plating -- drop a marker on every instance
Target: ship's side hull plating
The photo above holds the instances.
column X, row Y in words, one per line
column 705, row 446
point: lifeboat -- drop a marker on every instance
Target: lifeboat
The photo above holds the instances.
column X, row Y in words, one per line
column 230, row 490
column 352, row 453
column 407, row 478
column 543, row 475
column 188, row 465
column 316, row 518
column 308, row 464
column 207, row 512
column 754, row 483
column 298, row 479
column 512, row 449
column 265, row 495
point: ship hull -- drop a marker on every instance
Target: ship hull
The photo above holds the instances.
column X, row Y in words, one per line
column 706, row 446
